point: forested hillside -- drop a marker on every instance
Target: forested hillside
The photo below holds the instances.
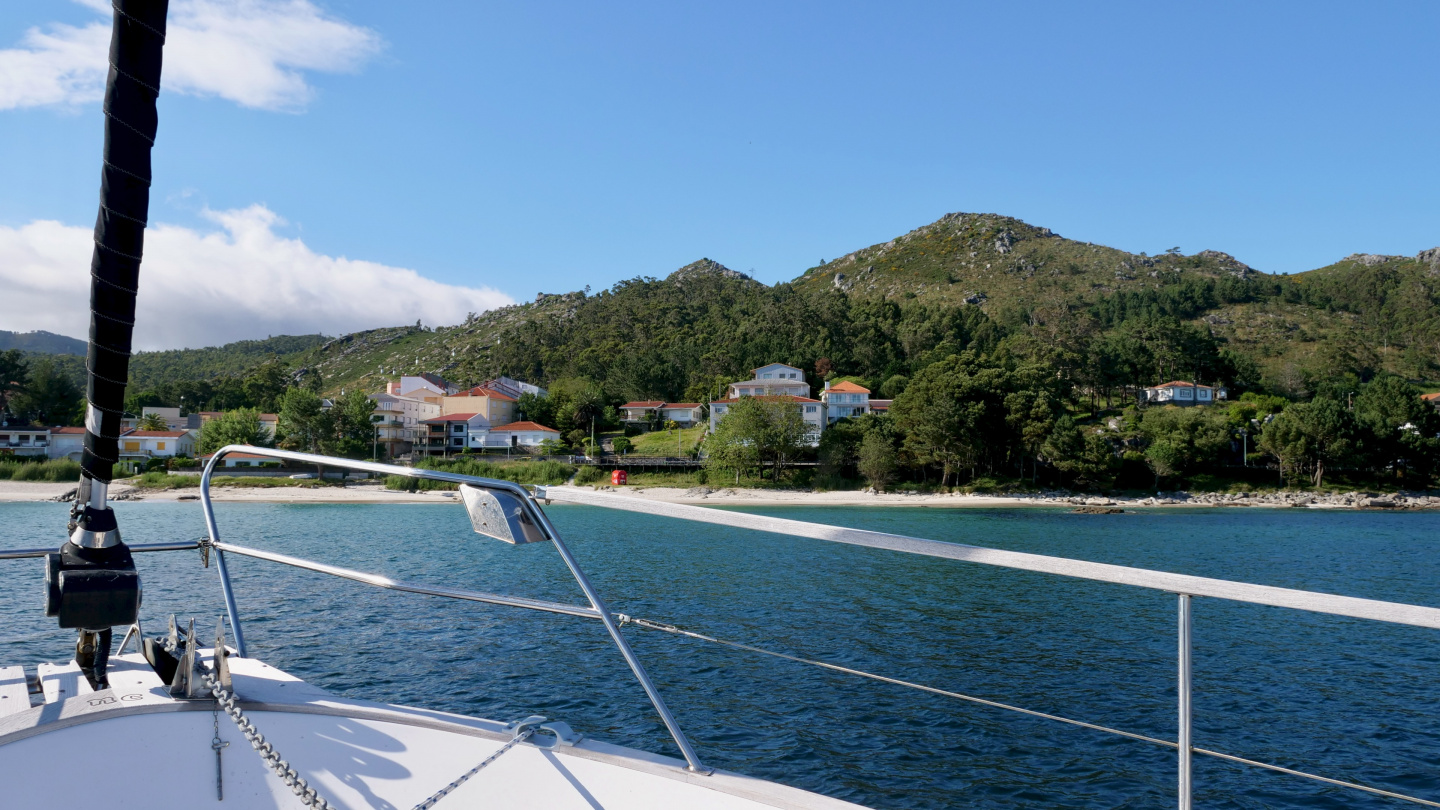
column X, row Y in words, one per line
column 1105, row 319
column 40, row 342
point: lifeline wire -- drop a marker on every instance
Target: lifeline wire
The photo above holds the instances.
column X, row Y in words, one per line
column 673, row 630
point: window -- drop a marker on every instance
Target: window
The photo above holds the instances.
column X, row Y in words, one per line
column 132, row 447
column 809, row 409
column 766, row 376
column 160, row 445
column 457, row 441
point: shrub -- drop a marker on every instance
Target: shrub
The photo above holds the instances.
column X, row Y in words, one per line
column 589, row 475
column 524, row 472
column 622, row 444
column 57, row 470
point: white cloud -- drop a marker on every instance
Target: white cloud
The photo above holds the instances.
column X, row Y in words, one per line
column 252, row 52
column 239, row 281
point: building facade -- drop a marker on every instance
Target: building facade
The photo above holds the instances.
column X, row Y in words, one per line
column 1181, row 393
column 843, row 400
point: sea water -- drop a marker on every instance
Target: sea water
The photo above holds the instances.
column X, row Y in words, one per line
column 1345, row 698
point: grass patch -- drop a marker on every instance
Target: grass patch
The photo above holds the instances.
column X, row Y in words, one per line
column 158, row 479
column 521, row 472
column 590, row 475
column 55, row 471
column 664, row 442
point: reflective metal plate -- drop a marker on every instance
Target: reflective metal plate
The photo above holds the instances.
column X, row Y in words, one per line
column 501, row 515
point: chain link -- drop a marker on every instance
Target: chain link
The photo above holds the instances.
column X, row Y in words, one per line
column 225, row 699
column 445, row 791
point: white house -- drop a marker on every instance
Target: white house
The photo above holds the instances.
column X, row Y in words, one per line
column 24, row 440
column 172, row 417
column 524, row 434
column 811, row 410
column 1182, row 393
column 639, row 410
column 67, row 442
column 685, row 414
column 844, row 399
column 140, row 445
column 774, row 379
column 241, row 460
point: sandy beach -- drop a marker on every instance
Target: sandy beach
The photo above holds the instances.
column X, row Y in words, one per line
column 375, row 492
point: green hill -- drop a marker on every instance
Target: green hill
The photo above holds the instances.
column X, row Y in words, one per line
column 40, row 342
column 1104, row 317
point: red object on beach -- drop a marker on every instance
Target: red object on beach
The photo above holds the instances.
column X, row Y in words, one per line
column 618, row 477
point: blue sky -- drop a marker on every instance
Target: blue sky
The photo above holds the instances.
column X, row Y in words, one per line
column 517, row 148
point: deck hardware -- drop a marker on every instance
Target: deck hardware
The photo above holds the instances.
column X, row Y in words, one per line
column 217, row 745
column 220, row 655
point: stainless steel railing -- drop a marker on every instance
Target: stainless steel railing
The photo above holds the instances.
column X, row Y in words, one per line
column 1185, row 587
column 597, row 605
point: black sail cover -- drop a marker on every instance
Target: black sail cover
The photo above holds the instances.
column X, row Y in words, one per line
column 130, row 121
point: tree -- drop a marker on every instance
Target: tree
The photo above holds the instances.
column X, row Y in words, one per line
column 759, row 431
column 876, row 460
column 14, row 373
column 153, row 421
column 1400, row 429
column 301, row 420
column 49, row 397
column 1183, row 440
column 1084, row 456
column 1311, row 437
column 894, row 386
column 535, row 408
column 238, row 426
column 350, row 427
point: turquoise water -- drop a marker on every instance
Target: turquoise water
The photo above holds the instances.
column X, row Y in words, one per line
column 1341, row 697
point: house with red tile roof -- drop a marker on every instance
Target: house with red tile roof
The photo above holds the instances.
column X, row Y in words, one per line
column 524, row 434
column 1179, row 392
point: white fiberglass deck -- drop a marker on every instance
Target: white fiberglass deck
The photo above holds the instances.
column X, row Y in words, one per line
column 133, row 746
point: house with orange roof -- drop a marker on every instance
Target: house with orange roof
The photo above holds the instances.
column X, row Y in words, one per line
column 1179, row 392
column 1433, row 399
column 494, row 405
column 524, row 434
column 843, row 400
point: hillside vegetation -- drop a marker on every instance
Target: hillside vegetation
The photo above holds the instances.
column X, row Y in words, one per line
column 1105, row 318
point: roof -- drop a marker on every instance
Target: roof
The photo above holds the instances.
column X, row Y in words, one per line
column 518, row 427
column 680, row 405
column 880, row 404
column 68, row 430
column 847, row 387
column 269, row 417
column 454, row 417
column 482, row 391
column 1435, row 397
column 1180, row 384
column 786, row 365
column 767, row 398
column 645, row 404
column 155, row 434
column 243, row 456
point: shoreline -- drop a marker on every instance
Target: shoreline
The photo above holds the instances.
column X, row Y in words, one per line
column 375, row 493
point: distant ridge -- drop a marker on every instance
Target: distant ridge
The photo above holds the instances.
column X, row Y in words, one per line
column 40, row 342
